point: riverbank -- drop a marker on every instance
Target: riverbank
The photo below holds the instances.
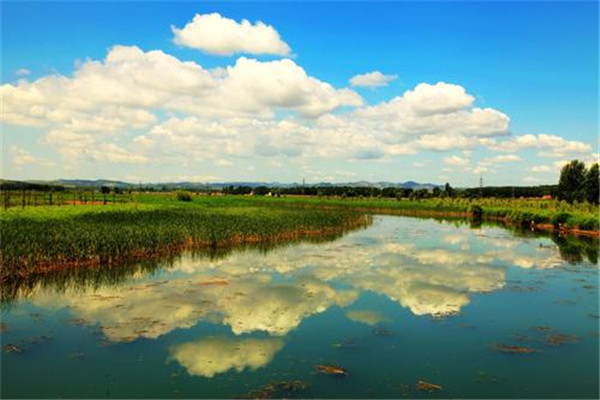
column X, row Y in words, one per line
column 42, row 239
column 45, row 238
column 549, row 215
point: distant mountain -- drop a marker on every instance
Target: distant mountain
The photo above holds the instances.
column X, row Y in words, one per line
column 219, row 185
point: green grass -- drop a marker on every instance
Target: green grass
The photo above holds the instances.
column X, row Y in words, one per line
column 35, row 238
column 155, row 225
column 519, row 211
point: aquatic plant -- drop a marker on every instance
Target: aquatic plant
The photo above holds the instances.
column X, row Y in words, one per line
column 44, row 238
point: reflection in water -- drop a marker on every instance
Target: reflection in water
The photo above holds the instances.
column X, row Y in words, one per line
column 366, row 317
column 211, row 356
column 273, row 292
column 233, row 312
column 92, row 278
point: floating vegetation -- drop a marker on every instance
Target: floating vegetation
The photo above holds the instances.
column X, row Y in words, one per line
column 332, row 370
column 486, row 377
column 542, row 329
column 346, row 344
column 405, row 389
column 560, row 339
column 214, row 282
column 425, row 386
column 553, row 338
column 282, row 389
column 565, row 302
column 12, row 349
column 510, row 349
column 38, row 339
column 77, row 356
column 520, row 337
column 382, row 331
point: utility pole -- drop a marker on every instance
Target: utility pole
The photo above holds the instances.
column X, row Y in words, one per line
column 481, row 185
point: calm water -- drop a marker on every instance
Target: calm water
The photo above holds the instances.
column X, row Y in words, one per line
column 401, row 301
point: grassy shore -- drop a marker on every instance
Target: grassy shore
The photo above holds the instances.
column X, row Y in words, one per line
column 36, row 239
column 44, row 238
column 523, row 212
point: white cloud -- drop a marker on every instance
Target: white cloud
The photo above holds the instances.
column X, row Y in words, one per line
column 506, row 158
column 456, row 160
column 138, row 106
column 21, row 156
column 22, row 72
column 437, row 99
column 548, row 145
column 542, row 168
column 372, row 79
column 215, row 34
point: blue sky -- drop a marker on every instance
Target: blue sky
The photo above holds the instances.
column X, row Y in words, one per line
column 535, row 63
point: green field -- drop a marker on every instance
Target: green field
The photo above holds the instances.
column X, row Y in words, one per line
column 522, row 212
column 35, row 239
column 44, row 237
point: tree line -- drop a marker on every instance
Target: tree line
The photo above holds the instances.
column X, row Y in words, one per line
column 578, row 183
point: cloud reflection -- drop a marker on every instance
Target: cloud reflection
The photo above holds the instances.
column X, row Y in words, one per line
column 250, row 291
column 215, row 355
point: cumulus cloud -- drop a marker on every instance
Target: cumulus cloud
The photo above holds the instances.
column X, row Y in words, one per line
column 372, row 79
column 137, row 106
column 87, row 115
column 215, row 34
column 542, row 168
column 548, row 145
column 21, row 156
column 437, row 99
column 505, row 158
column 456, row 160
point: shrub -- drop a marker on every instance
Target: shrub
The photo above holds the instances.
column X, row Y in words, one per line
column 560, row 218
column 183, row 196
column 477, row 211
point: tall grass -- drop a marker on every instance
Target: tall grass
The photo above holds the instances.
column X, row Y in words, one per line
column 523, row 212
column 45, row 238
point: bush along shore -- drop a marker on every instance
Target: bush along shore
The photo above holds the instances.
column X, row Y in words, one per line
column 46, row 239
column 577, row 218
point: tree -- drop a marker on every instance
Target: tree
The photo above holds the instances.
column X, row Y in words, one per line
column 105, row 190
column 572, row 182
column 448, row 190
column 592, row 183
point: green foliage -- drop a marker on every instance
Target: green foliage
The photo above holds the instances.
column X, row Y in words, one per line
column 572, row 185
column 183, row 196
column 592, row 184
column 560, row 218
column 106, row 235
column 151, row 223
column 476, row 210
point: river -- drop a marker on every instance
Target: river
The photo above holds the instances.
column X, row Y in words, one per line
column 478, row 312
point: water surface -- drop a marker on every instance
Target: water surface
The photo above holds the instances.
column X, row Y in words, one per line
column 400, row 301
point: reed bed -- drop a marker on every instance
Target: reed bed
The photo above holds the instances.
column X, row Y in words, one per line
column 47, row 239
column 523, row 212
